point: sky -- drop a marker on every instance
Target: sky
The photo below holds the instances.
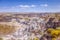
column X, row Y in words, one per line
column 29, row 5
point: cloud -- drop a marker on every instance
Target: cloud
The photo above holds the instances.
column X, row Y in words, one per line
column 26, row 6
column 19, row 8
column 44, row 5
column 30, row 6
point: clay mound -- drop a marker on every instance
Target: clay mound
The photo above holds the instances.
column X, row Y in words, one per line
column 6, row 29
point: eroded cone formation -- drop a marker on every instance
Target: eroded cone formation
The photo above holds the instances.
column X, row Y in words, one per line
column 6, row 29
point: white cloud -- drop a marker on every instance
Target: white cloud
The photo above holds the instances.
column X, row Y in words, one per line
column 29, row 6
column 26, row 6
column 44, row 5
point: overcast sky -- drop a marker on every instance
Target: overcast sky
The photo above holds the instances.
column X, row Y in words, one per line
column 29, row 5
